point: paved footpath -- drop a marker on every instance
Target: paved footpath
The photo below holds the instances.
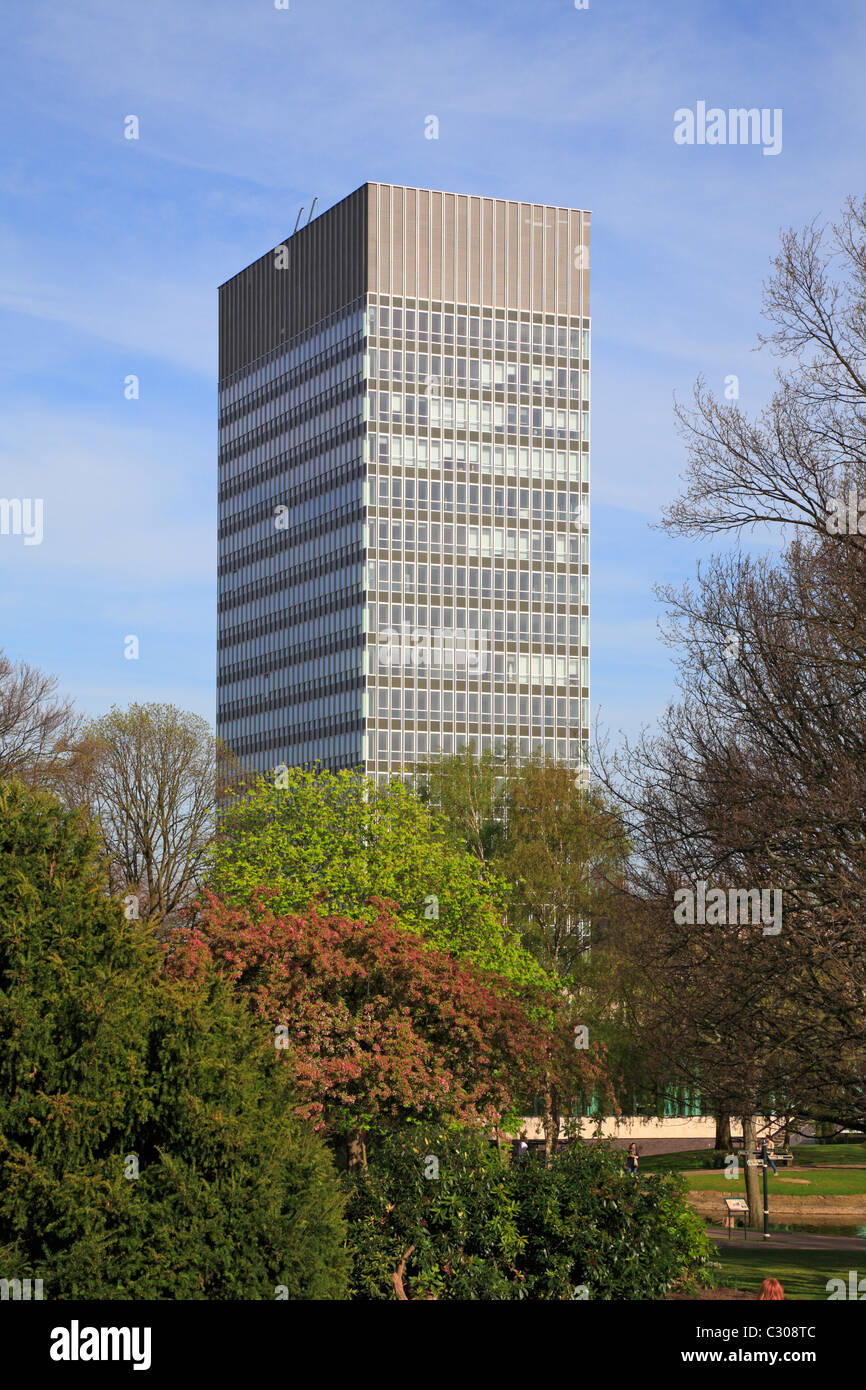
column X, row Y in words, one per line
column 794, row 1240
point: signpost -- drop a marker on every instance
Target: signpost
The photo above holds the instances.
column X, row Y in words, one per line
column 753, row 1162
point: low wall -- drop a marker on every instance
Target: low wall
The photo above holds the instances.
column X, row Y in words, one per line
column 697, row 1132
column 841, row 1209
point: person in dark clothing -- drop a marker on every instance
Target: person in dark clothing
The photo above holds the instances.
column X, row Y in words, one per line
column 631, row 1161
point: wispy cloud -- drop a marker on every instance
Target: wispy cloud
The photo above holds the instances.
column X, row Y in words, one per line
column 112, row 251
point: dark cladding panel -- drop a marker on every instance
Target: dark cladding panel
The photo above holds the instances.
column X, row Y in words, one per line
column 391, row 239
column 449, row 247
column 531, row 242
column 474, row 293
column 264, row 305
column 384, row 225
column 435, row 231
column 512, row 254
column 398, row 249
column 411, row 250
column 461, row 249
column 552, row 299
column 563, row 258
column 479, row 250
column 424, row 242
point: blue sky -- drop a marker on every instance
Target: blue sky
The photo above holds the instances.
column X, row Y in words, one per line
column 111, row 251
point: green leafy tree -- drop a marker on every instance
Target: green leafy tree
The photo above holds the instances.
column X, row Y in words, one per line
column 149, row 1146
column 469, row 790
column 565, row 854
column 343, row 840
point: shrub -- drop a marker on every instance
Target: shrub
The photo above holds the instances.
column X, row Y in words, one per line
column 107, row 1069
column 588, row 1224
column 457, row 1233
column 489, row 1229
column 714, row 1158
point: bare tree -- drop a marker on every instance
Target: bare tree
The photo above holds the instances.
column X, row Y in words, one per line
column 756, row 779
column 810, row 442
column 150, row 776
column 38, row 730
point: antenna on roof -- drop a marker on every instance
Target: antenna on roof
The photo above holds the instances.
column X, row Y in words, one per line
column 315, row 200
column 298, row 223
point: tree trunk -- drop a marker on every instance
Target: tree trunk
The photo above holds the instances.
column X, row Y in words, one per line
column 399, row 1287
column 723, row 1131
column 501, row 1144
column 356, row 1152
column 397, row 1276
column 754, row 1196
column 550, row 1121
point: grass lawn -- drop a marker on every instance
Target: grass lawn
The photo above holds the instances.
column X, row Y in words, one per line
column 807, row 1155
column 802, row 1273
column 673, row 1163
column 810, row 1182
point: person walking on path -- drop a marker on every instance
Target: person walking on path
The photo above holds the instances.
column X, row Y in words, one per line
column 631, row 1160
column 771, row 1149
